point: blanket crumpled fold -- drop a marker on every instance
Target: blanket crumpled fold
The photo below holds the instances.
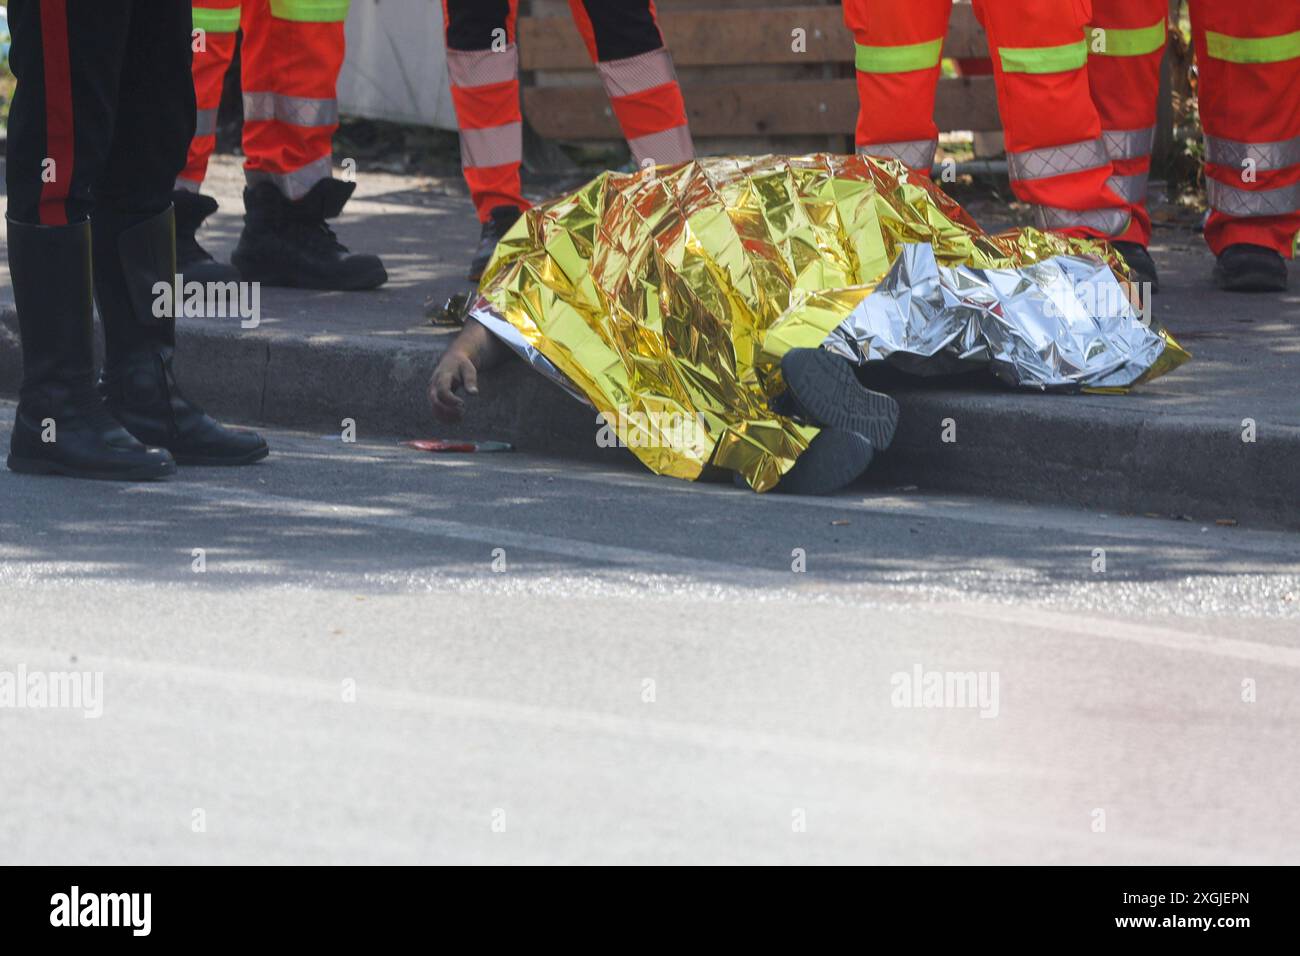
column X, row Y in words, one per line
column 670, row 295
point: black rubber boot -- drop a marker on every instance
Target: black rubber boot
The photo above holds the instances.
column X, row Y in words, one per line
column 62, row 427
column 1138, row 259
column 826, row 393
column 500, row 219
column 138, row 383
column 288, row 243
column 1248, row 268
column 193, row 262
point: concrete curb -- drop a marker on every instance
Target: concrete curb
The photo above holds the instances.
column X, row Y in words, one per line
column 1046, row 448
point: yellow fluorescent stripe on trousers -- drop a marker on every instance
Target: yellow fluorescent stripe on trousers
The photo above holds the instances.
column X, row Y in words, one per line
column 310, row 11
column 1111, row 41
column 898, row 59
column 1252, row 49
column 1044, row 59
column 216, row 21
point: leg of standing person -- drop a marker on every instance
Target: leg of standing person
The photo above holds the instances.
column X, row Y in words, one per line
column 216, row 28
column 134, row 243
column 624, row 42
column 67, row 56
column 897, row 51
column 483, row 67
column 1126, row 42
column 1248, row 53
column 1055, row 152
column 291, row 57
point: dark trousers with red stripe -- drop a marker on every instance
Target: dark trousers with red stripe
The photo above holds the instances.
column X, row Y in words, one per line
column 103, row 112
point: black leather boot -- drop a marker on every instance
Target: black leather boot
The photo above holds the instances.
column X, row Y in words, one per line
column 139, row 383
column 62, row 427
column 1138, row 258
column 288, row 243
column 1243, row 267
column 193, row 262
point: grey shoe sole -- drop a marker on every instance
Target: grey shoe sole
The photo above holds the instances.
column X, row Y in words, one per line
column 825, row 387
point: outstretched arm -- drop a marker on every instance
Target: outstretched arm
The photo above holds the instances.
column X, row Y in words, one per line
column 472, row 351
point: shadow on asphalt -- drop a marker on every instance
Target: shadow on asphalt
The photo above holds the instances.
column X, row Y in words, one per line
column 712, row 534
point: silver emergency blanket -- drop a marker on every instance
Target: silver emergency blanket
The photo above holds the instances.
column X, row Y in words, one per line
column 1062, row 323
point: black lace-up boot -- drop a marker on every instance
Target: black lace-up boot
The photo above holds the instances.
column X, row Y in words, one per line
column 289, row 243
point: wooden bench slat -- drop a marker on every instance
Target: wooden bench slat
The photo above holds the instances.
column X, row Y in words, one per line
column 735, row 37
column 754, row 109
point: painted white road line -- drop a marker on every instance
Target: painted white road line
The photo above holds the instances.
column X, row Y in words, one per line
column 651, row 730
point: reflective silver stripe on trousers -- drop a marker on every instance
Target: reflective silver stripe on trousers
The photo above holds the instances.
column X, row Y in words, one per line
column 1110, row 222
column 189, row 185
column 294, row 110
column 205, row 123
column 670, row 146
column 1231, row 152
column 1249, row 203
column 493, row 146
column 296, row 184
column 1128, row 143
column 1057, row 160
column 470, row 68
column 914, row 153
column 1130, row 188
column 636, row 74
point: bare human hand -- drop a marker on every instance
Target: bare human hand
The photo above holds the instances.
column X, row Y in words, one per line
column 454, row 372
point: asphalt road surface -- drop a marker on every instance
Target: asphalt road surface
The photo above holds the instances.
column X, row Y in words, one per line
column 364, row 653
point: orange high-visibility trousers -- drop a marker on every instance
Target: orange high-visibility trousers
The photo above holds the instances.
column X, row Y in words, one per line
column 624, row 42
column 1055, row 151
column 291, row 56
column 1126, row 42
column 897, row 51
column 1248, row 53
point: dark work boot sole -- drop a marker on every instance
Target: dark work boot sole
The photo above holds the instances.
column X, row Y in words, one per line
column 832, row 397
column 1260, row 279
column 207, row 461
column 832, row 460
column 42, row 466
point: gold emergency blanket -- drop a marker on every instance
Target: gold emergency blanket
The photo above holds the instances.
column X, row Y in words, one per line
column 666, row 298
